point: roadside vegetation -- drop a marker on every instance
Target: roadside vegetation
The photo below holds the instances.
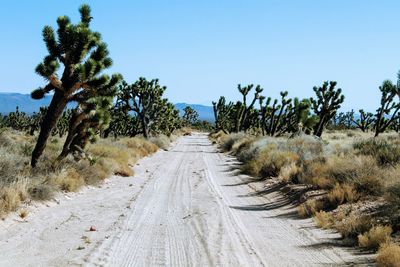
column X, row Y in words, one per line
column 343, row 168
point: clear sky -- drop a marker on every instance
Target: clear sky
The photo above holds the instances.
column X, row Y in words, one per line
column 202, row 49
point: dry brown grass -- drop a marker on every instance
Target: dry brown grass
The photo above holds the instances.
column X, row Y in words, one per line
column 388, row 255
column 69, row 180
column 324, row 219
column 270, row 162
column 353, row 225
column 310, row 208
column 342, row 193
column 12, row 196
column 19, row 182
column 375, row 237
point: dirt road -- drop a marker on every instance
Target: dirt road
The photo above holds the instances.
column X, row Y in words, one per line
column 183, row 207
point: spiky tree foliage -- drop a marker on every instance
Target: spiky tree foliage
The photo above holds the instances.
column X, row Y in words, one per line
column 365, row 120
column 343, row 120
column 84, row 56
column 328, row 101
column 88, row 119
column 145, row 99
column 223, row 113
column 36, row 120
column 388, row 111
column 63, row 123
column 17, row 120
column 190, row 116
column 168, row 120
column 242, row 109
column 285, row 116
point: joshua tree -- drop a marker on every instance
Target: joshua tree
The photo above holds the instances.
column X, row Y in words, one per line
column 242, row 109
column 286, row 116
column 388, row 112
column 326, row 105
column 144, row 98
column 190, row 116
column 84, row 56
column 365, row 121
column 223, row 113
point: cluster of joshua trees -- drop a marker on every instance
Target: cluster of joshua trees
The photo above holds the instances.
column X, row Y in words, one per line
column 275, row 117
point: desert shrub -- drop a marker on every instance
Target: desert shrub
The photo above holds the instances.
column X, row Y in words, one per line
column 255, row 147
column 269, row 162
column 162, row 141
column 324, row 219
column 375, row 237
column 41, row 191
column 290, row 172
column 385, row 151
column 69, row 180
column 360, row 171
column 228, row 141
column 12, row 195
column 393, row 193
column 306, row 147
column 342, row 193
column 353, row 225
column 315, row 172
column 310, row 208
column 388, row 255
column 242, row 144
column 11, row 165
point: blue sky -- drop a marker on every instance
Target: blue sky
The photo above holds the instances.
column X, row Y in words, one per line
column 202, row 49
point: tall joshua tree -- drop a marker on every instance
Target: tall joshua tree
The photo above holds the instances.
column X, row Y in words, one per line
column 242, row 109
column 365, row 120
column 326, row 104
column 190, row 116
column 84, row 56
column 388, row 112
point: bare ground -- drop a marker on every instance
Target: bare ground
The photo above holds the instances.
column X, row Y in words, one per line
column 184, row 207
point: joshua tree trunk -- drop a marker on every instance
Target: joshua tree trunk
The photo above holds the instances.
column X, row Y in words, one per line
column 72, row 131
column 144, row 126
column 56, row 108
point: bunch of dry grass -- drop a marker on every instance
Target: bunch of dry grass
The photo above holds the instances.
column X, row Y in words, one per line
column 375, row 237
column 12, row 195
column 388, row 255
column 342, row 193
column 324, row 219
column 227, row 142
column 162, row 141
column 353, row 225
column 270, row 162
column 310, row 208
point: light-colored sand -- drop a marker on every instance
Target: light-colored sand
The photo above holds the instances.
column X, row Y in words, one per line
column 184, row 207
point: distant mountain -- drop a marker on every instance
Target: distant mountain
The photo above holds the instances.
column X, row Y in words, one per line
column 9, row 101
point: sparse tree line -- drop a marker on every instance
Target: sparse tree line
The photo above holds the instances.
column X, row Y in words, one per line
column 275, row 117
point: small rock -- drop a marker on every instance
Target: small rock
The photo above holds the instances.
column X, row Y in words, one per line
column 92, row 229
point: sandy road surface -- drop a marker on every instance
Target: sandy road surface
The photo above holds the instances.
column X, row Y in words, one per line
column 183, row 207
